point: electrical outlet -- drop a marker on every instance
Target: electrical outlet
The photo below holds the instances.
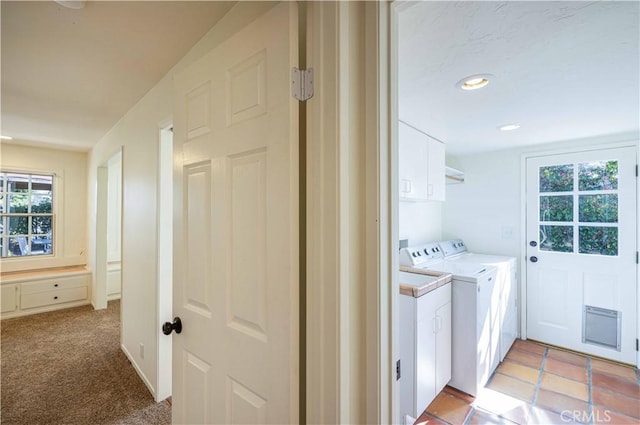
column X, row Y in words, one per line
column 141, row 350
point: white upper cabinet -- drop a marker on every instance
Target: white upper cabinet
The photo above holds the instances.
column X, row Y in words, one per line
column 421, row 166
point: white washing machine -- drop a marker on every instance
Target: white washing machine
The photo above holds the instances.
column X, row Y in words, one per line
column 474, row 348
column 506, row 287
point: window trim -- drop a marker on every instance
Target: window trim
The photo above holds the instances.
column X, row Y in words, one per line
column 56, row 234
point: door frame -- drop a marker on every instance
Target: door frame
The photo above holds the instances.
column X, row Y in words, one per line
column 99, row 296
column 523, row 221
column 338, row 388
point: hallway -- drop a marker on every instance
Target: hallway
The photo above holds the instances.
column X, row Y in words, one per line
column 66, row 367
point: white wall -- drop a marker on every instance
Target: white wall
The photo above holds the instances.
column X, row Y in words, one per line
column 70, row 200
column 420, row 222
column 486, row 206
column 137, row 133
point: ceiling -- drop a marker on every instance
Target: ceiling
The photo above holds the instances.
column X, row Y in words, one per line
column 68, row 75
column 562, row 70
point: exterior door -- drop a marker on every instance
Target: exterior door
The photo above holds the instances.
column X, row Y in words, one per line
column 236, row 229
column 581, row 251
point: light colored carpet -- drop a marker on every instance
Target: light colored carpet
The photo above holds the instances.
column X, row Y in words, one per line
column 66, row 367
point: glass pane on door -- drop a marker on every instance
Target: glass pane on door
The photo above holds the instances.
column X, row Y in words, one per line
column 556, row 238
column 598, row 208
column 556, row 208
column 556, row 178
column 598, row 240
column 600, row 175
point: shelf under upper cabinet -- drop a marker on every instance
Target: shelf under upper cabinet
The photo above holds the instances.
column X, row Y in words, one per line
column 453, row 176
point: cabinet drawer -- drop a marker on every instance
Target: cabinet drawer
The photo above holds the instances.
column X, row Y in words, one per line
column 54, row 284
column 59, row 296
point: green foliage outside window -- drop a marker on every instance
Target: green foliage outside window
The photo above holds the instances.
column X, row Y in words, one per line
column 592, row 208
column 556, row 178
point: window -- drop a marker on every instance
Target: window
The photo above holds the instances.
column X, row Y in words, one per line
column 26, row 214
column 579, row 208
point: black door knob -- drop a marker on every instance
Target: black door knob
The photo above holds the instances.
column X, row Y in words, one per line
column 168, row 327
column 533, row 243
column 534, row 259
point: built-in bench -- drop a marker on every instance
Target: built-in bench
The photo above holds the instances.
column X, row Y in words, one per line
column 38, row 291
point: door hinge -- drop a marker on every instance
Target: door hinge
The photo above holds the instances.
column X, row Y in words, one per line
column 636, row 170
column 637, row 344
column 302, row 83
column 398, row 370
column 637, row 257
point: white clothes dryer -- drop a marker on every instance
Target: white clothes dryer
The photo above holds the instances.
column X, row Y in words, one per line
column 506, row 287
column 474, row 348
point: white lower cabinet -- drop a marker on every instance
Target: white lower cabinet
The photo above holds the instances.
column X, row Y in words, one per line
column 425, row 348
column 9, row 298
column 38, row 292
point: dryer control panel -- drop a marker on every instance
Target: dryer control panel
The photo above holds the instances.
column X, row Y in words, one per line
column 420, row 255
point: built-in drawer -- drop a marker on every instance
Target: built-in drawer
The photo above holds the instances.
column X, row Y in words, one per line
column 67, row 282
column 58, row 296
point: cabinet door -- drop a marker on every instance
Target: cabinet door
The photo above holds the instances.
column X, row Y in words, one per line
column 443, row 346
column 8, row 298
column 436, row 170
column 425, row 352
column 413, row 148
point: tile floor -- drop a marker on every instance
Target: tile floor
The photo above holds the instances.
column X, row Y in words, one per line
column 537, row 384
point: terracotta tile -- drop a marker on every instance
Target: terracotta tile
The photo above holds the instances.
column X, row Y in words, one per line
column 478, row 417
column 615, row 384
column 617, row 402
column 529, row 346
column 459, row 394
column 559, row 403
column 565, row 386
column 567, row 357
column 490, row 400
column 606, row 416
column 426, row 419
column 533, row 360
column 538, row 416
column 566, row 370
column 519, row 371
column 449, row 408
column 513, row 387
column 614, row 369
column 518, row 414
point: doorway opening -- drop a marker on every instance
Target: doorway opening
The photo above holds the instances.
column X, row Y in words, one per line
column 109, row 232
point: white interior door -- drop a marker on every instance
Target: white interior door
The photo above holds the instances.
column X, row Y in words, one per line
column 236, row 238
column 581, row 251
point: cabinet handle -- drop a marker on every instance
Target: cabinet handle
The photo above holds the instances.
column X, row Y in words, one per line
column 439, row 324
column 406, row 186
column 435, row 325
column 55, row 298
column 55, row 284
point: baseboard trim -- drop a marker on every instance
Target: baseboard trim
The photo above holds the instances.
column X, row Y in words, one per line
column 138, row 371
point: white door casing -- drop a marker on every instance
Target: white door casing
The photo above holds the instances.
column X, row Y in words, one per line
column 578, row 262
column 236, row 229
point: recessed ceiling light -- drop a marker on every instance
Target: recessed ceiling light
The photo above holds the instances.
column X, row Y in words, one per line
column 6, row 138
column 509, row 127
column 474, row 82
